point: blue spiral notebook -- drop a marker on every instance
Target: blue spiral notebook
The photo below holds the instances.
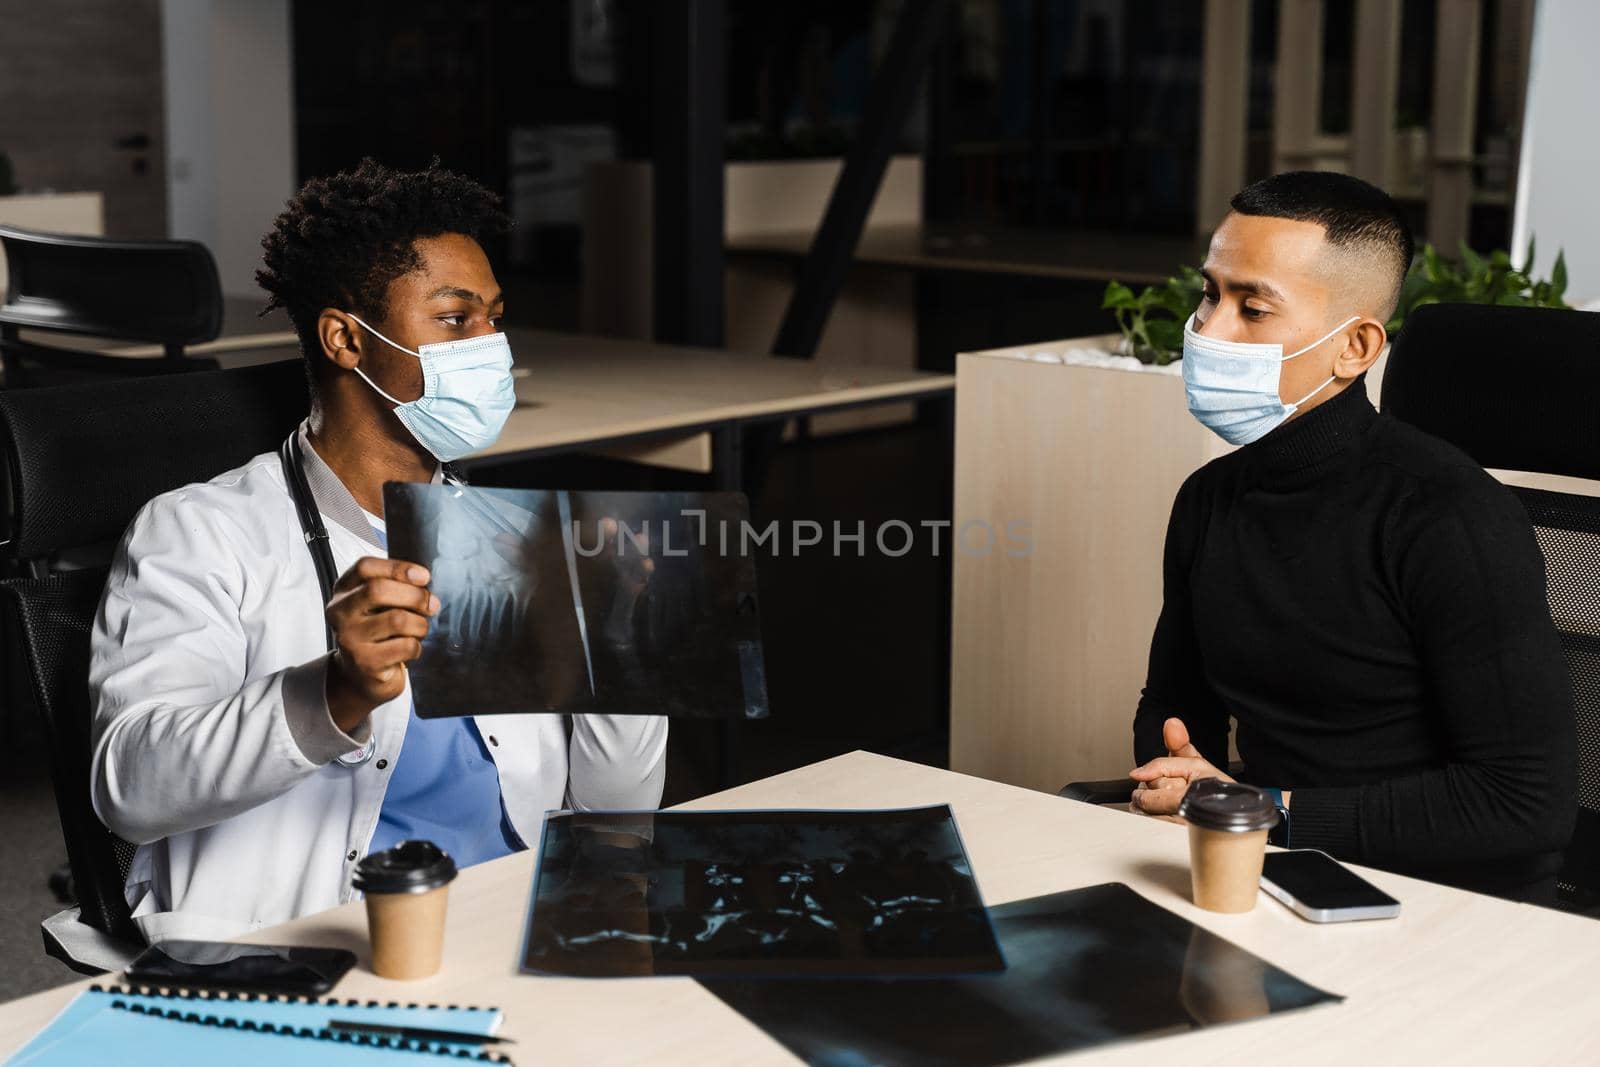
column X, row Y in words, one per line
column 129, row 1026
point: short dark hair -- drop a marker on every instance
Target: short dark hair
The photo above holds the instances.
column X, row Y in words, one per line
column 341, row 241
column 1353, row 212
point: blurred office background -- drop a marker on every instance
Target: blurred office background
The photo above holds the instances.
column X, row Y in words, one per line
column 197, row 118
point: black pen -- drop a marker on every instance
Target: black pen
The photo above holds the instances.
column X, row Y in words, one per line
column 417, row 1033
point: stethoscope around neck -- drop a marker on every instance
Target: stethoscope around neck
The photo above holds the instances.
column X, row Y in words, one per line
column 316, row 535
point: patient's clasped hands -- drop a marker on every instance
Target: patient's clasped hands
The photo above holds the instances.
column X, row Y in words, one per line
column 1163, row 781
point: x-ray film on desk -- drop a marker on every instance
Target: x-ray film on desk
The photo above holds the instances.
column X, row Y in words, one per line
column 768, row 894
column 587, row 602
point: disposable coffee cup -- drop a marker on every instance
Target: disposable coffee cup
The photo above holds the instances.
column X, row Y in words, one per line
column 406, row 887
column 1228, row 824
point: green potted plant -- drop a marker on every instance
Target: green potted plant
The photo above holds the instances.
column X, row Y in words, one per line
column 1152, row 322
column 1478, row 279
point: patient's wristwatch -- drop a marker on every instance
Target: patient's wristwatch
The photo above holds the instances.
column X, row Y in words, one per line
column 1279, row 834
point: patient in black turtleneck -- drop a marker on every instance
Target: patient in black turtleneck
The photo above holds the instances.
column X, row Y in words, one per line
column 1361, row 598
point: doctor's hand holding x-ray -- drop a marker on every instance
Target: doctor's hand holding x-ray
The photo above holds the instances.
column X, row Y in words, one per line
column 379, row 613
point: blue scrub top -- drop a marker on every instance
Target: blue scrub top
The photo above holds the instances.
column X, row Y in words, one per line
column 445, row 788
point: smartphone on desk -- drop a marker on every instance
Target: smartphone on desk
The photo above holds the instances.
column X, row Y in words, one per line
column 1317, row 887
column 252, row 968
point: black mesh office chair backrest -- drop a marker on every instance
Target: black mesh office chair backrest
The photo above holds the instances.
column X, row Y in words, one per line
column 155, row 292
column 1568, row 528
column 82, row 460
column 1516, row 389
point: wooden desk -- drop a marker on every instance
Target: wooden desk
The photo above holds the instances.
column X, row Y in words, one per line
column 1467, row 978
column 577, row 393
column 243, row 329
column 1136, row 259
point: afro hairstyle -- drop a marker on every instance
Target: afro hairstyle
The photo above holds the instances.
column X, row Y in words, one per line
column 341, row 241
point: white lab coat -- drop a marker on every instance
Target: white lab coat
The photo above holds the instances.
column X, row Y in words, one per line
column 213, row 747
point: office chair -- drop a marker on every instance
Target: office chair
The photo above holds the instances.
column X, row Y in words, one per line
column 81, row 462
column 1514, row 388
column 155, row 292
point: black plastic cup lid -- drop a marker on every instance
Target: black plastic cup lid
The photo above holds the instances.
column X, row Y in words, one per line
column 1232, row 807
column 409, row 867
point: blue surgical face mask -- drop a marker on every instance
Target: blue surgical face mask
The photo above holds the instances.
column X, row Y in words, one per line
column 467, row 392
column 1232, row 386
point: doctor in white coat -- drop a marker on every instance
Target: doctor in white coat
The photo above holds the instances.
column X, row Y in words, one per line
column 251, row 765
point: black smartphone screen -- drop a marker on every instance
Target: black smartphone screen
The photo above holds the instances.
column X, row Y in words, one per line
column 226, row 965
column 1319, row 881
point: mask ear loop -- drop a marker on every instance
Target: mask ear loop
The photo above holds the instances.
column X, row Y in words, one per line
column 1291, row 355
column 418, row 355
column 1296, row 405
column 391, row 344
column 1332, row 377
column 378, row 390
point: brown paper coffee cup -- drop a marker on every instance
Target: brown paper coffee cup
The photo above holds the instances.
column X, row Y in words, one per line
column 407, row 932
column 1228, row 825
column 1225, row 868
column 406, row 888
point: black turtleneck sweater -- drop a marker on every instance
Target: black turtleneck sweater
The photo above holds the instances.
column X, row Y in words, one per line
column 1369, row 606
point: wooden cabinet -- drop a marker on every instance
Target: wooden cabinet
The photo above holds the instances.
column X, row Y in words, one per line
column 1048, row 649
